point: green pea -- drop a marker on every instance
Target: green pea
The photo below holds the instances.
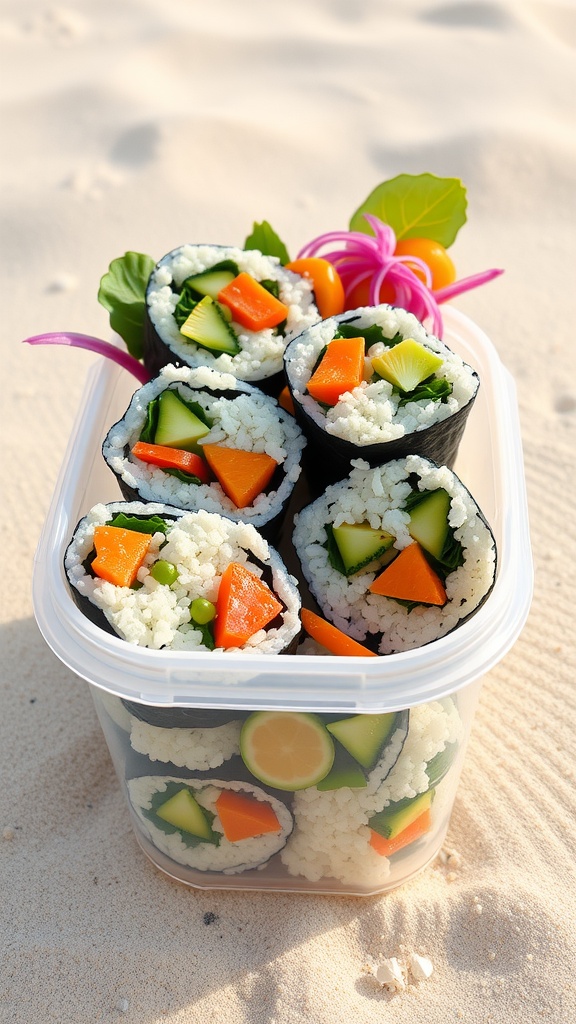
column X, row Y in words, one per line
column 202, row 611
column 164, row 572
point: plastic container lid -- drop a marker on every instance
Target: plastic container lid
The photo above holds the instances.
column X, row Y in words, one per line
column 490, row 464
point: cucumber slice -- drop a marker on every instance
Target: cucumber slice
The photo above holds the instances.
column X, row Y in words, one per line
column 359, row 544
column 345, row 773
column 185, row 813
column 207, row 326
column 440, row 764
column 211, row 282
column 397, row 816
column 177, row 426
column 429, row 521
column 364, row 736
column 407, row 364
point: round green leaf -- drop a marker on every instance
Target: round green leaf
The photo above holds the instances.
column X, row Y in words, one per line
column 416, row 206
column 123, row 293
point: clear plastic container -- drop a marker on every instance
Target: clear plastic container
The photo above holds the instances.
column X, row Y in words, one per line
column 172, row 720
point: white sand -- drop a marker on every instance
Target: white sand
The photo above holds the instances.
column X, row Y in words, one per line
column 139, row 125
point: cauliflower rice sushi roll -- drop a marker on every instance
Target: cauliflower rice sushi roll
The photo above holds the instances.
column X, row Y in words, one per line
column 210, row 825
column 228, row 308
column 396, row 555
column 198, row 438
column 373, row 384
column 189, row 581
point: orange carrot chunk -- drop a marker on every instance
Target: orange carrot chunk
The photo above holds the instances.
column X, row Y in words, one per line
column 333, row 639
column 172, row 458
column 244, row 817
column 251, row 305
column 241, row 475
column 119, row 554
column 410, row 577
column 340, row 369
column 285, row 400
column 412, row 832
column 244, row 605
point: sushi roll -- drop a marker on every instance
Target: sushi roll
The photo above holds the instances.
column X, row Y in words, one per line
column 188, row 581
column 373, row 384
column 396, row 555
column 197, row 749
column 198, row 438
column 211, row 824
column 228, row 308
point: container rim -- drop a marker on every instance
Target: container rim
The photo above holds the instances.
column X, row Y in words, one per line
column 285, row 682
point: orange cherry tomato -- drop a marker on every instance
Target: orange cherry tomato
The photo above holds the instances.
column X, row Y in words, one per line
column 360, row 294
column 433, row 254
column 326, row 283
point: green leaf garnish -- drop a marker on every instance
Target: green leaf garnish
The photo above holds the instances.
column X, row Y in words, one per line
column 265, row 239
column 416, row 206
column 123, row 293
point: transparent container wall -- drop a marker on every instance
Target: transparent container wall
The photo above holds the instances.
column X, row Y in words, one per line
column 201, row 812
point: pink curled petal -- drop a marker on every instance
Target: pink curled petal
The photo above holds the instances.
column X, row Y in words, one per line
column 466, row 284
column 102, row 348
column 383, row 233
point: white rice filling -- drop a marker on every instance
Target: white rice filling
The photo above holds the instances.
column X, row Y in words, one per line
column 375, row 496
column 228, row 857
column 197, row 749
column 251, row 422
column 201, row 545
column 331, row 838
column 371, row 413
column 261, row 351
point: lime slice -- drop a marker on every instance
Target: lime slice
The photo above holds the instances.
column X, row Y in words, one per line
column 287, row 750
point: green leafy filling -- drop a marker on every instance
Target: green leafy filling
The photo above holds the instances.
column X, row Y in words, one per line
column 435, row 389
column 187, row 838
column 206, row 631
column 372, row 335
column 153, row 524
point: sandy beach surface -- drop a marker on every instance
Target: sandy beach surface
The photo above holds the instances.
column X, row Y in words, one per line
column 132, row 125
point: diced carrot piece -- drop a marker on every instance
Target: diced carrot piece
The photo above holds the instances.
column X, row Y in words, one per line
column 119, row 554
column 172, row 458
column 340, row 369
column 386, row 847
column 285, row 400
column 244, row 817
column 410, row 577
column 251, row 305
column 333, row 639
column 241, row 475
column 244, row 605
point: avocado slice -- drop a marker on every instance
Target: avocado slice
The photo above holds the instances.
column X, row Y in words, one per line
column 359, row 544
column 364, row 736
column 407, row 364
column 429, row 521
column 185, row 813
column 207, row 326
column 211, row 282
column 345, row 772
column 397, row 816
column 177, row 426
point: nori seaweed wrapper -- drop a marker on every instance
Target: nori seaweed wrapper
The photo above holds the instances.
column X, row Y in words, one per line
column 329, row 457
column 271, row 570
column 159, row 350
column 117, row 457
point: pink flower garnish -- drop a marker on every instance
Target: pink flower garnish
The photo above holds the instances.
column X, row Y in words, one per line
column 103, row 348
column 361, row 257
